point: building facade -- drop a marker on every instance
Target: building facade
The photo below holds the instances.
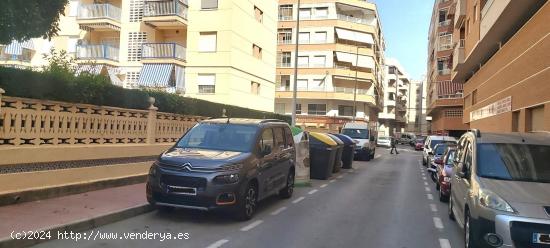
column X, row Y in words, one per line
column 445, row 103
column 503, row 60
column 341, row 57
column 220, row 51
column 394, row 116
column 413, row 107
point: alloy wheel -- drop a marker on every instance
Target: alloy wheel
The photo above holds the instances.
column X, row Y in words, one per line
column 467, row 231
column 290, row 184
column 250, row 201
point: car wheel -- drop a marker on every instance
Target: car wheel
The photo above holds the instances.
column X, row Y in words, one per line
column 248, row 203
column 287, row 191
column 450, row 209
column 367, row 156
column 468, row 242
column 372, row 155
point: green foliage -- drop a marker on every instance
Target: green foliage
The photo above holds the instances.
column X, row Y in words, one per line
column 58, row 82
column 25, row 19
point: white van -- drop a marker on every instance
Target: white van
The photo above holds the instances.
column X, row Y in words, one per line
column 364, row 137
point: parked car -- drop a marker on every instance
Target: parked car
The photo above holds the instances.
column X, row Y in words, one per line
column 430, row 143
column 384, row 141
column 365, row 139
column 436, row 159
column 445, row 173
column 500, row 192
column 419, row 144
column 406, row 138
column 225, row 164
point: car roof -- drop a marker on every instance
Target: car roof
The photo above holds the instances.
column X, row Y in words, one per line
column 535, row 138
column 245, row 121
column 439, row 137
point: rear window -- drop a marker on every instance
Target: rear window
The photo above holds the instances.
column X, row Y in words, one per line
column 516, row 162
column 356, row 133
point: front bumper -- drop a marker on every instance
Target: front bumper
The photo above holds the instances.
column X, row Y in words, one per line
column 517, row 231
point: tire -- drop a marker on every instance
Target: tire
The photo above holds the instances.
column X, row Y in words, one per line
column 248, row 201
column 450, row 209
column 442, row 198
column 424, row 161
column 372, row 155
column 287, row 191
column 468, row 241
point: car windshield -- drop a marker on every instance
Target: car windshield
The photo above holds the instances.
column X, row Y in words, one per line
column 356, row 133
column 440, row 149
column 450, row 157
column 517, row 162
column 383, row 138
column 224, row 137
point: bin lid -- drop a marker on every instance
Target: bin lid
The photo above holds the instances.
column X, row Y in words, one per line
column 338, row 140
column 346, row 139
column 323, row 138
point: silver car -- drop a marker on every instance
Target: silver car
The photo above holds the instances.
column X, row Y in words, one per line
column 500, row 192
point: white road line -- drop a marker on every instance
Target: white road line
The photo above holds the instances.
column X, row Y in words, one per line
column 433, row 207
column 430, row 196
column 444, row 243
column 423, row 178
column 298, row 200
column 312, row 192
column 218, row 243
column 251, row 225
column 426, row 183
column 331, row 181
column 276, row 212
column 427, row 189
column 377, row 156
column 438, row 223
column 341, row 176
column 324, row 185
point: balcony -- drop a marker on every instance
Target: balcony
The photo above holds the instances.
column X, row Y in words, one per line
column 445, row 23
column 102, row 54
column 171, row 53
column 336, row 93
column 458, row 55
column 98, row 17
column 444, row 71
column 460, row 13
column 22, row 58
column 165, row 14
column 357, row 20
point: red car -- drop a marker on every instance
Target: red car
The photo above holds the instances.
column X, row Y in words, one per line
column 445, row 173
column 419, row 144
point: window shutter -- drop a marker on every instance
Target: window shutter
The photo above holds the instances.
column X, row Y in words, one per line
column 207, row 42
column 209, row 4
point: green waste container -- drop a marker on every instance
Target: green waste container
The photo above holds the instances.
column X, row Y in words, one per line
column 349, row 149
column 322, row 153
column 339, row 150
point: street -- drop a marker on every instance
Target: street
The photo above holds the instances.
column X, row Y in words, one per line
column 387, row 202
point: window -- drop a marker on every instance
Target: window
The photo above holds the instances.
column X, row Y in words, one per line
column 284, row 59
column 283, row 82
column 207, row 41
column 319, row 61
column 256, row 51
column 515, row 121
column 207, row 83
column 321, row 12
column 259, row 14
column 279, row 138
column 135, row 40
column 284, row 36
column 303, row 61
column 267, row 141
column 453, row 113
column 255, row 88
column 305, row 13
column 345, row 110
column 303, row 37
column 316, row 109
column 536, row 118
column 288, row 138
column 136, row 10
column 298, row 109
column 285, row 12
column 474, row 97
column 467, row 160
column 280, row 108
column 320, row 37
column 209, row 4
column 73, row 7
column 475, row 12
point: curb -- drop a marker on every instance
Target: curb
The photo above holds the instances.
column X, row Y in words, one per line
column 79, row 225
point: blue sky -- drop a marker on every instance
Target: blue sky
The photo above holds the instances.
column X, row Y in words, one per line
column 405, row 24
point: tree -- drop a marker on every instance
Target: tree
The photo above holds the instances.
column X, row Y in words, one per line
column 25, row 19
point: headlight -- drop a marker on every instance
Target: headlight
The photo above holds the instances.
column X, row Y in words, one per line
column 227, row 179
column 491, row 200
column 230, row 167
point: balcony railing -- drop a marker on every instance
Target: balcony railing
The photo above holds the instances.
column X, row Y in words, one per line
column 97, row 52
column 165, row 8
column 163, row 51
column 445, row 23
column 445, row 71
column 25, row 56
column 354, row 19
column 345, row 90
column 98, row 11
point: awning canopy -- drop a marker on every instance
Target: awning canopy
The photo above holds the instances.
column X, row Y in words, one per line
column 92, row 69
column 363, row 61
column 354, row 36
column 449, row 88
column 16, row 47
column 156, row 75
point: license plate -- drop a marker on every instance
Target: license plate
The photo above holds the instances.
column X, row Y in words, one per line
column 541, row 238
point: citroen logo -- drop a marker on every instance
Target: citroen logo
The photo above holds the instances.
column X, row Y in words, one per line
column 187, row 166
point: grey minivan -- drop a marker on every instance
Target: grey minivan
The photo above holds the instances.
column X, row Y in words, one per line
column 225, row 164
column 500, row 192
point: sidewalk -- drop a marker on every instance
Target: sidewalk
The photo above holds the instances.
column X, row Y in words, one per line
column 71, row 213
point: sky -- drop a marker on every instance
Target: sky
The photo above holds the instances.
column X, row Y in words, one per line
column 405, row 24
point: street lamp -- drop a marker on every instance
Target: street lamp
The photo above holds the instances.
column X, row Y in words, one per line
column 294, row 90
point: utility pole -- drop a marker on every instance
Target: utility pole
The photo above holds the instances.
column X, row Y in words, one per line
column 294, row 90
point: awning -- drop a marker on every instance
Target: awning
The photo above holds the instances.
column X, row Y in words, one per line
column 155, row 75
column 16, row 47
column 92, row 69
column 449, row 88
column 180, row 78
column 363, row 61
column 354, row 36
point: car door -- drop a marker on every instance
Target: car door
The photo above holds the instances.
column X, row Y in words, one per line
column 461, row 184
column 282, row 156
column 267, row 162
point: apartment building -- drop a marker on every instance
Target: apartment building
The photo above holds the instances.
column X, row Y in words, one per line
column 341, row 57
column 414, row 107
column 220, row 51
column 393, row 117
column 502, row 58
column 424, row 120
column 445, row 104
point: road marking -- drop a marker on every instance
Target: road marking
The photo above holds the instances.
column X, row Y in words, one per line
column 427, row 189
column 341, row 176
column 276, row 212
column 218, row 243
column 433, row 207
column 324, row 185
column 444, row 243
column 252, row 225
column 331, row 181
column 426, row 183
column 438, row 223
column 377, row 156
column 298, row 200
column 312, row 192
column 423, row 178
column 430, row 196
